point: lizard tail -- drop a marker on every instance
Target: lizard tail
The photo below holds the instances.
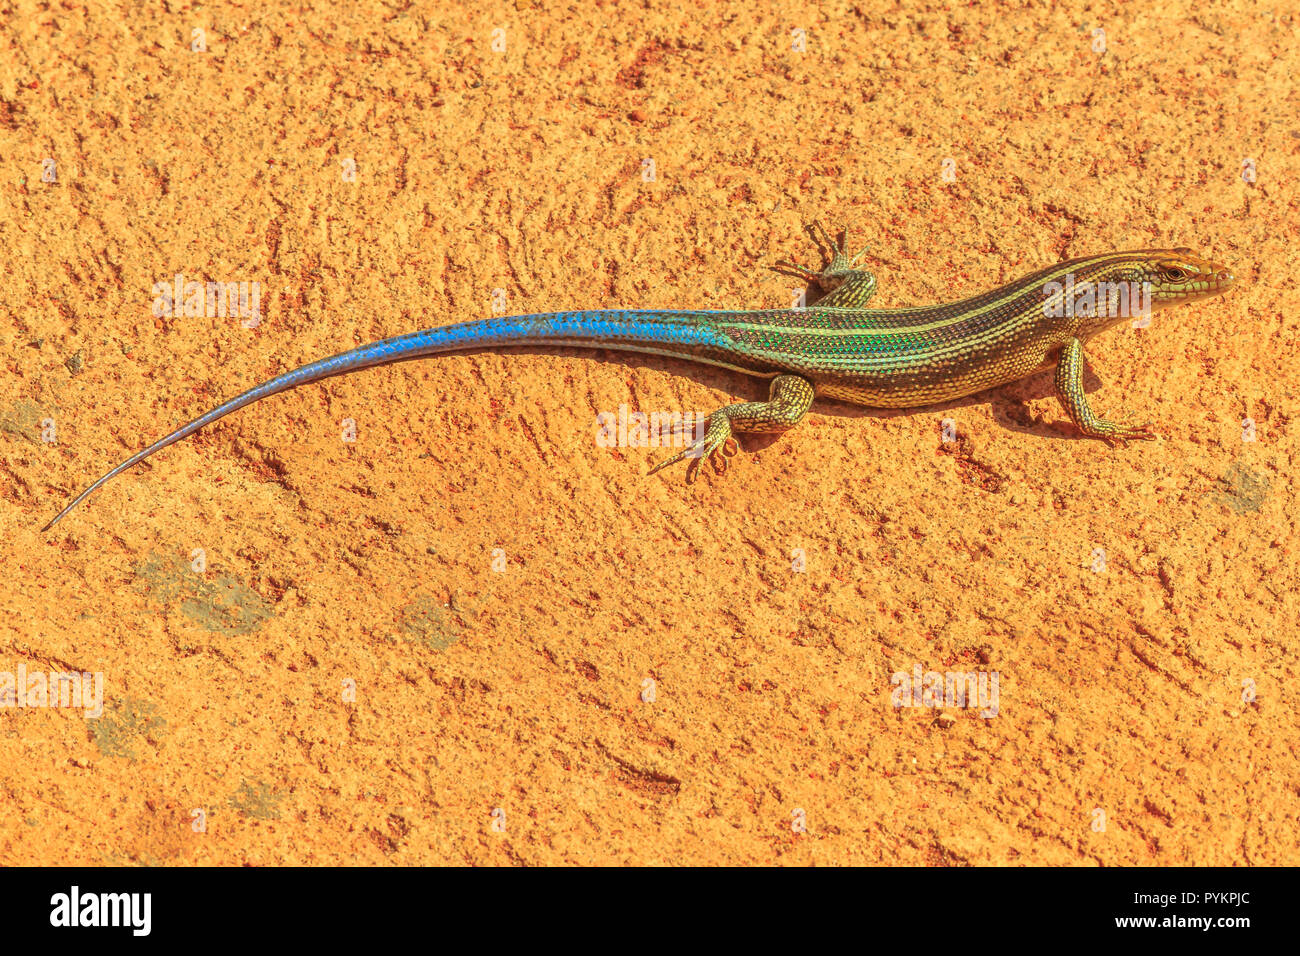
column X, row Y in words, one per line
column 667, row 333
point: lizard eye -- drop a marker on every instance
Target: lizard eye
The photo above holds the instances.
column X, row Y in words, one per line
column 1175, row 273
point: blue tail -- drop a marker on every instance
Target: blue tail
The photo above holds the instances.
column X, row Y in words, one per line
column 666, row 333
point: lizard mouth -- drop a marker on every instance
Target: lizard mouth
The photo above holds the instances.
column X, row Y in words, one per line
column 1219, row 279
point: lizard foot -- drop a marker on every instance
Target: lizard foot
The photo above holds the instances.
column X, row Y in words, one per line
column 840, row 262
column 717, row 445
column 789, row 398
column 1114, row 434
column 844, row 284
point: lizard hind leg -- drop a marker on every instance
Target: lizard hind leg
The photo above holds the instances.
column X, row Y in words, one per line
column 788, row 401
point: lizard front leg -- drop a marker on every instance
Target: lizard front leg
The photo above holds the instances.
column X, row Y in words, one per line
column 1069, row 389
column 787, row 402
column 846, row 286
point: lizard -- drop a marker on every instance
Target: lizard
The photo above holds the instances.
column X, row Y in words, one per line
column 835, row 347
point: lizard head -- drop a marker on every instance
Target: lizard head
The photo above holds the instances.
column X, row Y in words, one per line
column 1179, row 275
column 1101, row 291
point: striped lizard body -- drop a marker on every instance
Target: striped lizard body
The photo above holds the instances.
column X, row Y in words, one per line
column 895, row 358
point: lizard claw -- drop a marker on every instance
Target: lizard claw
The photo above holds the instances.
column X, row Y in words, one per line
column 803, row 272
column 717, row 445
column 816, row 227
column 817, row 232
column 1114, row 434
column 1123, row 434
